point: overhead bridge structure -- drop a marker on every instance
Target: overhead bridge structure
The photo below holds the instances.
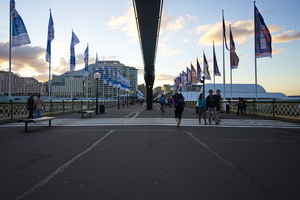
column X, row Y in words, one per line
column 148, row 19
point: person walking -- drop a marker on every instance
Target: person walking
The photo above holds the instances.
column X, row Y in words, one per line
column 38, row 104
column 211, row 105
column 30, row 103
column 240, row 107
column 178, row 106
column 228, row 105
column 218, row 103
column 162, row 103
column 202, row 108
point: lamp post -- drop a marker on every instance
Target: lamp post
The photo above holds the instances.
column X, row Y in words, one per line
column 97, row 75
column 118, row 96
column 127, row 97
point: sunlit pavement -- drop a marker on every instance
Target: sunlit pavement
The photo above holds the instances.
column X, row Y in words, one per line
column 132, row 153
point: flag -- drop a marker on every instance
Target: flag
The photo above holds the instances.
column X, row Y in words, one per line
column 74, row 41
column 263, row 39
column 205, row 65
column 86, row 61
column 19, row 33
column 224, row 31
column 96, row 69
column 50, row 38
column 198, row 71
column 189, row 76
column 194, row 74
column 234, row 59
column 216, row 68
column 184, row 80
column 104, row 74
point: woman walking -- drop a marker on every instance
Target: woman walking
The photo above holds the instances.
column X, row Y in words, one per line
column 202, row 108
column 178, row 106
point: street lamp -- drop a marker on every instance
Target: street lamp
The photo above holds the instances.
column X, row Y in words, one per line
column 119, row 96
column 97, row 75
column 127, row 97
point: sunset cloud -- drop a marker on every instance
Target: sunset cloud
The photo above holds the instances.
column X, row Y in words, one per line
column 242, row 32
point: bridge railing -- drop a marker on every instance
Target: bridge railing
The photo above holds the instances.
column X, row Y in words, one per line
column 17, row 109
column 276, row 108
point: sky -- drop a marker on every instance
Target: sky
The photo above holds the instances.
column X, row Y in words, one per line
column 188, row 28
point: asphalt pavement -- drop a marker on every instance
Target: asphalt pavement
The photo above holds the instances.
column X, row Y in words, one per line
column 132, row 153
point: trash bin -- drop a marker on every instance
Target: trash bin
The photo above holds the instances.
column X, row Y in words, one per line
column 102, row 109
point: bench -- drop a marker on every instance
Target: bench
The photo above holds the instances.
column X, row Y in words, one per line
column 26, row 121
column 86, row 111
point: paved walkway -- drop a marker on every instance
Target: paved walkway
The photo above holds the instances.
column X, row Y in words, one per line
column 135, row 154
column 138, row 115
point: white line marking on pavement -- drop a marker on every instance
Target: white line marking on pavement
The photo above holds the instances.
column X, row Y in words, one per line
column 246, row 140
column 63, row 167
column 223, row 160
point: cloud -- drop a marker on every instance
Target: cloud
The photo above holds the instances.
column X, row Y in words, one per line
column 277, row 51
column 125, row 23
column 186, row 40
column 286, row 36
column 161, row 77
column 168, row 23
column 242, row 31
column 163, row 49
column 26, row 60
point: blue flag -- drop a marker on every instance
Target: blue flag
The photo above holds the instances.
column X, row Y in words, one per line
column 234, row 59
column 19, row 33
column 205, row 64
column 86, row 61
column 263, row 39
column 198, row 71
column 50, row 38
column 104, row 75
column 189, row 76
column 216, row 68
column 96, row 69
column 74, row 41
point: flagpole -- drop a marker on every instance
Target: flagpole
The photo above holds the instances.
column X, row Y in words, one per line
column 87, row 80
column 230, row 67
column 224, row 86
column 10, row 38
column 255, row 61
column 49, row 85
column 214, row 67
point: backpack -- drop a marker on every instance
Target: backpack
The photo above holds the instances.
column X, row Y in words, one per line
column 162, row 99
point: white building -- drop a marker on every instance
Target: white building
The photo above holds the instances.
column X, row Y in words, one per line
column 21, row 86
column 86, row 86
column 247, row 91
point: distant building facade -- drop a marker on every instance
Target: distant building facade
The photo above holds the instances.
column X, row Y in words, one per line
column 21, row 86
column 247, row 91
column 80, row 86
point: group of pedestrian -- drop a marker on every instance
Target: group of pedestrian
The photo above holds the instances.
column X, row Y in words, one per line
column 210, row 104
column 241, row 106
column 35, row 106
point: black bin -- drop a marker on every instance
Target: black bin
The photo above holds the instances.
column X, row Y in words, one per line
column 102, row 109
